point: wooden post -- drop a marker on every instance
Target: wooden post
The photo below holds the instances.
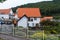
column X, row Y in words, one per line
column 13, row 31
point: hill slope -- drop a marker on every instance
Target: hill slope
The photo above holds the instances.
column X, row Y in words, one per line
column 47, row 7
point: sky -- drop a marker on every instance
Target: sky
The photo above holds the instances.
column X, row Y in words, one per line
column 13, row 3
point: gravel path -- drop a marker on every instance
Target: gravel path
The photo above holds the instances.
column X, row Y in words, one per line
column 7, row 37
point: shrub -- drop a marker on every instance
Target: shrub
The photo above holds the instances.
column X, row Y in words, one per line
column 42, row 36
column 38, row 35
column 51, row 26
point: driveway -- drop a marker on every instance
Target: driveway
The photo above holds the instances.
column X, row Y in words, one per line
column 7, row 37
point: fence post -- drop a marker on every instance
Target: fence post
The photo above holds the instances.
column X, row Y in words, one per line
column 13, row 31
column 27, row 33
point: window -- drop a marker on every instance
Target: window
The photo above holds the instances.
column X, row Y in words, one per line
column 35, row 18
column 31, row 19
column 2, row 17
column 32, row 24
column 28, row 19
column 28, row 24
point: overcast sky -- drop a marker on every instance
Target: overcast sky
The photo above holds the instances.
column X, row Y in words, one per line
column 13, row 3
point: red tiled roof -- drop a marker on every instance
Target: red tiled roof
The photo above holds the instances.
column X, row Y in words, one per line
column 46, row 18
column 4, row 11
column 29, row 12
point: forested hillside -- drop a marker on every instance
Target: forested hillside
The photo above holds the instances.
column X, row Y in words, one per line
column 2, row 1
column 49, row 8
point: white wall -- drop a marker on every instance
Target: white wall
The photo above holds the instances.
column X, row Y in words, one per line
column 23, row 22
column 4, row 16
column 34, row 21
column 11, row 12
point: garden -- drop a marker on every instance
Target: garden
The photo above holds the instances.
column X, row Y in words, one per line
column 48, row 32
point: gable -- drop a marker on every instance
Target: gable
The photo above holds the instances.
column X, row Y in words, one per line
column 23, row 17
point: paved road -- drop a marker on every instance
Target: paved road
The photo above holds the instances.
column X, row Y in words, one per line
column 7, row 37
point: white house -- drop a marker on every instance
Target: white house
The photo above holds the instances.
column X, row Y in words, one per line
column 5, row 13
column 28, row 17
column 5, row 19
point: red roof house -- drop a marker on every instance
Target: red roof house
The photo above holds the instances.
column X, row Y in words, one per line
column 28, row 16
column 5, row 13
column 29, row 12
